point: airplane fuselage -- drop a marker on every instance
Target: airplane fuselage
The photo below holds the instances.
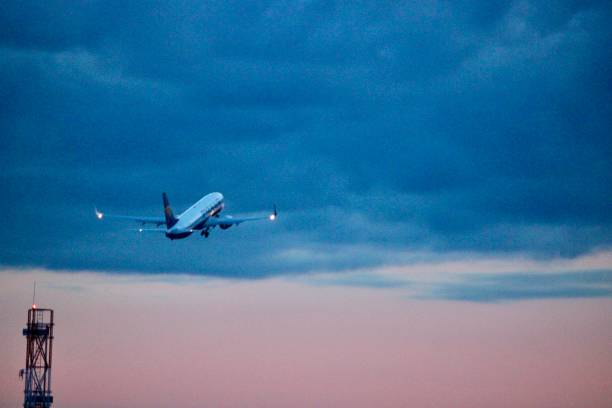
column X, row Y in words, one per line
column 203, row 216
column 195, row 217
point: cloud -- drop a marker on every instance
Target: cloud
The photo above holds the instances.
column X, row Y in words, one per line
column 464, row 278
column 580, row 284
column 379, row 130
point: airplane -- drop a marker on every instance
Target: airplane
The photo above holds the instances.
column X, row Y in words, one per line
column 202, row 216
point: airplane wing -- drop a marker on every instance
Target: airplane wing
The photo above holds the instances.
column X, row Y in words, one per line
column 229, row 220
column 143, row 220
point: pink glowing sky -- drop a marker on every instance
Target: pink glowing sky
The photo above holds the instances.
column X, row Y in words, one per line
column 136, row 341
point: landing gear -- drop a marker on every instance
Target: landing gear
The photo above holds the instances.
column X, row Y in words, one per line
column 204, row 233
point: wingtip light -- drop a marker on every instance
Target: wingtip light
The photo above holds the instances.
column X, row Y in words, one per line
column 99, row 214
column 274, row 214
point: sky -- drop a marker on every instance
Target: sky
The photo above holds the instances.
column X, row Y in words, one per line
column 126, row 341
column 422, row 154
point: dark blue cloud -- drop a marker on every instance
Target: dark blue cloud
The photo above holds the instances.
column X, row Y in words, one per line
column 523, row 286
column 376, row 125
column 483, row 287
column 362, row 281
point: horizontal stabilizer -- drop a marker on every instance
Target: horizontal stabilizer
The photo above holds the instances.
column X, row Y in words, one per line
column 151, row 230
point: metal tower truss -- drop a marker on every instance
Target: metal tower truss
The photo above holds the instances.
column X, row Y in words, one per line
column 37, row 373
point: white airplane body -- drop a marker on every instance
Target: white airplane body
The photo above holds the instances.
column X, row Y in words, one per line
column 202, row 216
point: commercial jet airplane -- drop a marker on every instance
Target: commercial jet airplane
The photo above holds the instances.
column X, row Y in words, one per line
column 203, row 216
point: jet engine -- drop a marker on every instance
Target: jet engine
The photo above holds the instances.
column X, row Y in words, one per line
column 225, row 226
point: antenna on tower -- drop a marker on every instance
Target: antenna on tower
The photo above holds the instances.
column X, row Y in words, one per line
column 34, row 297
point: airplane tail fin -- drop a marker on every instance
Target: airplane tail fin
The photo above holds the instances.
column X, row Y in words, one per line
column 170, row 218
